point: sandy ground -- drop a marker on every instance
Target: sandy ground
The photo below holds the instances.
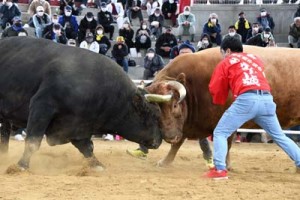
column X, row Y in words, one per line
column 260, row 171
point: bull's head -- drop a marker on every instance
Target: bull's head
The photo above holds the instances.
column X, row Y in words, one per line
column 170, row 95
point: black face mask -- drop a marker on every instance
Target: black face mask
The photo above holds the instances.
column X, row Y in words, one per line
column 242, row 19
column 18, row 24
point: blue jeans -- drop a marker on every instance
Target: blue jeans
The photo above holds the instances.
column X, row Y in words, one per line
column 262, row 110
column 123, row 63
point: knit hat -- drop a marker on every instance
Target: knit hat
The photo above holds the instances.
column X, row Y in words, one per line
column 188, row 45
column 151, row 50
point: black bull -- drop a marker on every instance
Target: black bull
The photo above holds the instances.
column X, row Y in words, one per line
column 69, row 94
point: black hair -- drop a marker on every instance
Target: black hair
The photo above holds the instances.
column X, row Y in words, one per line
column 231, row 26
column 232, row 43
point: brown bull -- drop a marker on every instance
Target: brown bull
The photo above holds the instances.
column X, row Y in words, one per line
column 196, row 117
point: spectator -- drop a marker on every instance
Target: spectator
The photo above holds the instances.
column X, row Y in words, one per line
column 185, row 47
column 49, row 27
column 89, row 43
column 183, row 4
column 213, row 29
column 186, row 22
column 105, row 19
column 87, row 24
column 134, row 10
column 7, row 12
column 165, row 43
column 127, row 32
column 156, row 21
column 169, row 11
column 40, row 21
column 15, row 30
column 152, row 64
column 56, row 34
column 242, row 26
column 34, row 5
column 142, row 37
column 294, row 34
column 204, row 42
column 103, row 41
column 63, row 3
column 232, row 33
column 117, row 11
column 265, row 20
column 262, row 39
column 69, row 23
column 71, row 42
column 151, row 6
column 120, row 52
column 297, row 13
column 255, row 29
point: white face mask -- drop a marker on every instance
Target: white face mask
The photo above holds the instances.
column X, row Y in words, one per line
column 56, row 31
column 144, row 26
column 114, row 1
column 231, row 34
column 186, row 12
column 55, row 21
column 89, row 19
column 266, row 35
column 9, row 4
column 171, row 1
column 150, row 55
column 205, row 41
column 213, row 20
column 68, row 13
column 99, row 32
column 263, row 14
column 255, row 29
column 126, row 25
column 156, row 14
column 104, row 9
column 40, row 14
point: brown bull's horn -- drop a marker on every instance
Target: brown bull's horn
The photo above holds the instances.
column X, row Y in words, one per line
column 180, row 88
column 158, row 98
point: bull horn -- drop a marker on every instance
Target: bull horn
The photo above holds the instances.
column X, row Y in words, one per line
column 158, row 98
column 180, row 88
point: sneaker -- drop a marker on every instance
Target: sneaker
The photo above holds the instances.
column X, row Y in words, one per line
column 209, row 163
column 291, row 45
column 216, row 174
column 238, row 139
column 137, row 153
column 109, row 137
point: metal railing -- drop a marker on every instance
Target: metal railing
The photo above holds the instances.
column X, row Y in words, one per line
column 255, row 2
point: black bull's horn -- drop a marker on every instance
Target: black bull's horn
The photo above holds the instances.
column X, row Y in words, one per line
column 167, row 97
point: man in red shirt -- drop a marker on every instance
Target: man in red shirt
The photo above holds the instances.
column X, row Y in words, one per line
column 243, row 74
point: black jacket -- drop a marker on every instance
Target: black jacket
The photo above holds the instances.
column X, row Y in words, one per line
column 128, row 36
column 105, row 18
column 119, row 54
column 167, row 7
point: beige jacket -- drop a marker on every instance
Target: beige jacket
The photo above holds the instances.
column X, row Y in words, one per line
column 35, row 3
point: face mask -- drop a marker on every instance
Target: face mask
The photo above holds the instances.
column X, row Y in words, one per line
column 40, row 14
column 150, row 55
column 22, row 34
column 263, row 14
column 104, row 9
column 171, row 1
column 255, row 29
column 99, row 32
column 205, row 41
column 68, row 13
column 144, row 27
column 114, row 1
column 266, row 35
column 55, row 21
column 231, row 34
column 213, row 20
column 156, row 14
column 89, row 19
column 56, row 32
column 242, row 18
column 186, row 12
column 9, row 4
column 89, row 40
column 125, row 25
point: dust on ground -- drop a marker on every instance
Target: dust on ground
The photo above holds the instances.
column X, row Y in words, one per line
column 260, row 171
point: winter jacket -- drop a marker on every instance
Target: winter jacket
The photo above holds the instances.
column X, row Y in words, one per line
column 294, row 31
column 119, row 54
column 154, row 64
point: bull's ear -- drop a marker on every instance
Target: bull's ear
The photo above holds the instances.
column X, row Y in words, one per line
column 181, row 78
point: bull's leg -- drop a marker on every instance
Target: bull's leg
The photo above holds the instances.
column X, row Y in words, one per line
column 4, row 136
column 229, row 142
column 86, row 147
column 171, row 155
column 40, row 116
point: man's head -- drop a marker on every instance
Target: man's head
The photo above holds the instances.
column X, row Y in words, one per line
column 263, row 12
column 157, row 12
column 103, row 7
column 40, row 11
column 17, row 21
column 168, row 29
column 267, row 32
column 186, row 47
column 57, row 28
column 150, row 53
column 186, row 10
column 213, row 17
column 255, row 27
column 297, row 21
column 54, row 18
column 71, row 42
column 242, row 15
column 231, row 30
column 89, row 37
column 9, row 3
column 120, row 39
column 231, row 45
column 89, row 16
column 68, row 11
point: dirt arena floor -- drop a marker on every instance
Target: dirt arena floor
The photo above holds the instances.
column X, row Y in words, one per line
column 260, row 171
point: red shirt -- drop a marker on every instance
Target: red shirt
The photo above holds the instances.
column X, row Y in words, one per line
column 239, row 72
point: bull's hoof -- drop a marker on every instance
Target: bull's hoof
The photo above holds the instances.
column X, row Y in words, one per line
column 15, row 169
column 163, row 163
